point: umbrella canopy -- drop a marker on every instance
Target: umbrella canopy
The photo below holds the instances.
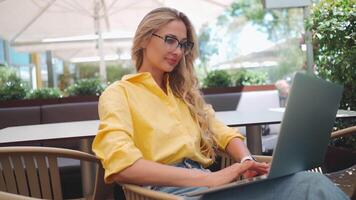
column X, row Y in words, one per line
column 72, row 28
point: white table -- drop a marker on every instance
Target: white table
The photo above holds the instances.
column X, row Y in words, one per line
column 53, row 131
column 254, row 120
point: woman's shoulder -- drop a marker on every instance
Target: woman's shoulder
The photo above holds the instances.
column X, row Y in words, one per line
column 119, row 86
column 115, row 86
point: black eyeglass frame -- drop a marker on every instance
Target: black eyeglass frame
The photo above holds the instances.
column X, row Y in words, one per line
column 186, row 51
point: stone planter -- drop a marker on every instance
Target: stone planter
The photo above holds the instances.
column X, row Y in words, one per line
column 338, row 158
column 219, row 90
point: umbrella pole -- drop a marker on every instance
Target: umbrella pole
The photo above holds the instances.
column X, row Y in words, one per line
column 102, row 67
column 102, row 59
column 308, row 42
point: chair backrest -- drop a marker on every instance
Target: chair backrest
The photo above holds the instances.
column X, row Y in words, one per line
column 34, row 171
column 68, row 112
column 258, row 100
column 224, row 101
column 16, row 116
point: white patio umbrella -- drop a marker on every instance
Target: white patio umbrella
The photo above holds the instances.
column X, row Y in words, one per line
column 73, row 25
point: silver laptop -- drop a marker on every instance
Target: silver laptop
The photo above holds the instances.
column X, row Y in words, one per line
column 305, row 130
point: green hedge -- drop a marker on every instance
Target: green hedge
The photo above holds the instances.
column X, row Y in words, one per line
column 44, row 93
column 242, row 77
column 245, row 77
column 217, row 78
column 12, row 88
column 85, row 87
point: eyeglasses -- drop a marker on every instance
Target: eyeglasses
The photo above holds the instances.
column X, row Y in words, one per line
column 173, row 43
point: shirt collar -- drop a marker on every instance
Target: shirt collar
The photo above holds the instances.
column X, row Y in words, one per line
column 137, row 76
column 147, row 79
column 140, row 76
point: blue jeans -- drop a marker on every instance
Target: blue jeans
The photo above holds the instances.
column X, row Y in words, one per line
column 299, row 186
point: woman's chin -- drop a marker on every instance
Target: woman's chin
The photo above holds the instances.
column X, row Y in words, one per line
column 169, row 68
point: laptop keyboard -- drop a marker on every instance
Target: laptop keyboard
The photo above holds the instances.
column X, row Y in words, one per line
column 256, row 178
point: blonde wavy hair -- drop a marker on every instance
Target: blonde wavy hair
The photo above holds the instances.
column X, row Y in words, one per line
column 183, row 80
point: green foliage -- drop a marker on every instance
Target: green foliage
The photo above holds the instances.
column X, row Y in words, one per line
column 247, row 77
column 217, row 78
column 85, row 87
column 44, row 93
column 207, row 47
column 275, row 22
column 116, row 72
column 11, row 86
column 291, row 59
column 280, row 25
column 88, row 70
column 333, row 23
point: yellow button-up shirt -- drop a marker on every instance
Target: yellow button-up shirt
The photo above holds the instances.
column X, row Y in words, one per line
column 138, row 120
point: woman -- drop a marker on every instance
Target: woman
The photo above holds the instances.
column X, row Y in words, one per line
column 155, row 129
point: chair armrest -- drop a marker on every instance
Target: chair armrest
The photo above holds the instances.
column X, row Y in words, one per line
column 260, row 158
column 343, row 132
column 11, row 196
column 101, row 189
column 134, row 192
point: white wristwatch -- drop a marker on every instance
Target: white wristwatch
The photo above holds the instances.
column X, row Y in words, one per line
column 249, row 157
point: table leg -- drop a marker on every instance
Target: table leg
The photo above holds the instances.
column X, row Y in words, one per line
column 254, row 140
column 88, row 169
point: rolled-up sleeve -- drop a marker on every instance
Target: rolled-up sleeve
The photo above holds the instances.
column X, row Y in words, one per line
column 113, row 143
column 222, row 133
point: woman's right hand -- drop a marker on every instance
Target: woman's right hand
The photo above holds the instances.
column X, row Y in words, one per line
column 234, row 172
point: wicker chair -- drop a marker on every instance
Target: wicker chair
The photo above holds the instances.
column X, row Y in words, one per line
column 134, row 192
column 27, row 172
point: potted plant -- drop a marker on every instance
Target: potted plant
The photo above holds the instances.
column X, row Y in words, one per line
column 242, row 80
column 217, row 78
column 85, row 87
column 11, row 86
column 243, row 77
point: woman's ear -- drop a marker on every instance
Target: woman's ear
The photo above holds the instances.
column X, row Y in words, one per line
column 145, row 43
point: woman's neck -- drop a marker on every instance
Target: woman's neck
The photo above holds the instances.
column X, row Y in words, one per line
column 157, row 76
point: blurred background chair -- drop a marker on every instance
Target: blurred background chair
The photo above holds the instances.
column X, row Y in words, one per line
column 34, row 172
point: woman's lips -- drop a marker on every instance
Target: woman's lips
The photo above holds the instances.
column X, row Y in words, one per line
column 172, row 61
